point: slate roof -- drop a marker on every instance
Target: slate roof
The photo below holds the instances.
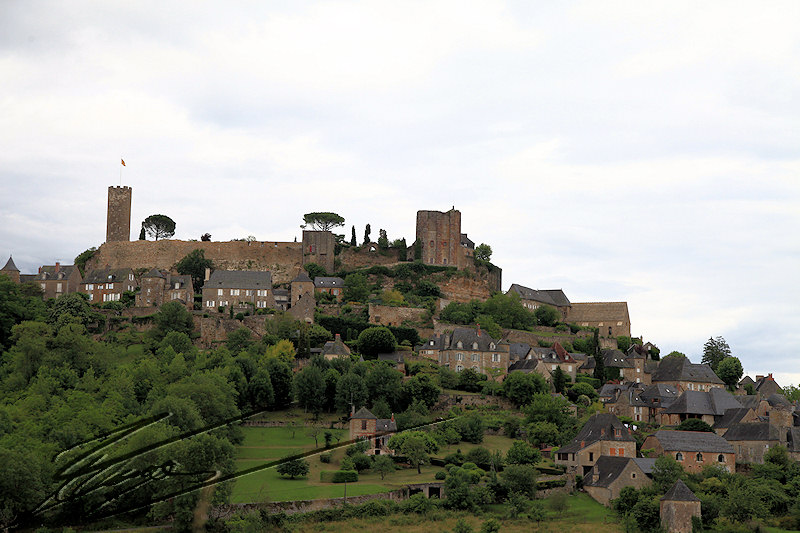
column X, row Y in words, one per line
column 302, row 277
column 681, row 369
column 10, row 265
column 599, row 312
column 680, row 493
column 468, row 336
column 466, row 242
column 524, row 365
column 49, row 272
column 731, row 417
column 394, row 357
column 239, row 279
column 328, row 282
column 793, row 442
column 554, row 297
column 183, row 281
column 363, row 413
column 750, row 401
column 518, row 350
column 154, row 273
column 107, row 275
column 692, row 441
column 385, row 425
column 659, row 395
column 766, row 386
column 280, row 292
column 609, row 469
column 714, row 402
column 335, row 347
column 752, row 431
column 778, row 400
column 610, row 390
column 599, row 427
column 747, row 380
column 615, row 359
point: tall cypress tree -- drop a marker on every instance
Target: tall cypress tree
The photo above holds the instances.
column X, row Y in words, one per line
column 353, row 241
column 367, row 231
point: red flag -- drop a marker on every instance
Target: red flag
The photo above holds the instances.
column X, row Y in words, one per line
column 123, row 162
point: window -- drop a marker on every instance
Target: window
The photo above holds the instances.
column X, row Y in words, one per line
column 609, row 331
column 679, row 456
column 633, row 475
column 459, row 368
column 336, row 292
column 234, row 292
column 91, row 296
column 475, row 357
column 44, row 286
column 591, row 456
column 569, row 368
column 248, row 292
column 209, row 303
column 721, row 458
column 219, row 292
column 699, row 457
column 262, row 304
column 363, row 424
column 459, row 357
column 621, row 452
column 495, row 358
column 491, row 346
column 130, row 277
column 90, row 287
column 474, row 345
column 110, row 286
column 617, row 432
column 612, row 452
column 58, row 287
column 262, row 292
column 459, row 345
column 175, row 296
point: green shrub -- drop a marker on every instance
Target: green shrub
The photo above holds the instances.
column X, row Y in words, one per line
column 326, row 457
column 440, row 475
column 338, row 476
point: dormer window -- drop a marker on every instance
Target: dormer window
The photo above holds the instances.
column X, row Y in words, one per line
column 474, row 345
column 491, row 346
column 459, row 344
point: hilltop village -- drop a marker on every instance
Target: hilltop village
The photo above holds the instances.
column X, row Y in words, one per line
column 401, row 358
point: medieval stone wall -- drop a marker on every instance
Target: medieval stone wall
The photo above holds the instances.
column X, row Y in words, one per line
column 440, row 235
column 282, row 259
column 387, row 315
column 463, row 289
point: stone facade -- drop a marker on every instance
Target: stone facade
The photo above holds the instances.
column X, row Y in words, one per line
column 611, row 474
column 319, row 247
column 158, row 288
column 677, row 508
column 693, row 449
column 238, row 289
column 440, row 237
column 57, row 280
column 377, row 431
column 118, row 216
column 107, row 285
column 387, row 315
column 467, row 348
column 611, row 318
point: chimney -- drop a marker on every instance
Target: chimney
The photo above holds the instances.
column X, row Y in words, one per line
column 58, row 267
column 392, row 417
column 208, row 274
column 40, row 270
column 583, row 444
column 479, row 330
column 759, row 378
column 338, row 338
column 769, row 376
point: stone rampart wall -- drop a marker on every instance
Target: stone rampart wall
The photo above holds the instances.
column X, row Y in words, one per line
column 387, row 315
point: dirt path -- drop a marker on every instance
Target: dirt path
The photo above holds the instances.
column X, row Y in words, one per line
column 203, row 505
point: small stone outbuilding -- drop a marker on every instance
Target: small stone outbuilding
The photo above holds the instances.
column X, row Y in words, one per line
column 678, row 506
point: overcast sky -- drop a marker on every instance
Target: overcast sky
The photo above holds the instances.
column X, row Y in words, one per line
column 637, row 151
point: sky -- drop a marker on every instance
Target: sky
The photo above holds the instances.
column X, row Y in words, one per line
column 646, row 152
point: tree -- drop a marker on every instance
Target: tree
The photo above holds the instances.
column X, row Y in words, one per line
column 383, row 382
column 547, row 315
column 383, row 240
column 520, row 479
column 350, row 391
column 694, row 424
column 666, row 471
column 159, row 226
column 142, row 234
column 471, row 427
column 353, row 241
column 483, row 252
column 471, row 380
column 522, row 453
column 415, row 446
column 280, row 375
column 714, row 351
column 675, row 353
column 520, row 388
column 194, row 264
column 355, row 288
column 309, row 386
column 83, row 257
column 205, row 237
column 323, row 221
column 173, row 316
column 542, row 433
column 730, row 371
column 559, row 380
column 375, row 340
column 293, row 468
column 383, row 464
column 367, row 231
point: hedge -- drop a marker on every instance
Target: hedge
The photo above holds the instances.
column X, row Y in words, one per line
column 551, row 484
column 338, row 476
column 583, row 378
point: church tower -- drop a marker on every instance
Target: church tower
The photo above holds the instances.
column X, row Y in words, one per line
column 118, row 221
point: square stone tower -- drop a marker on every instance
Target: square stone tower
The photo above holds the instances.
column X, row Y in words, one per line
column 440, row 235
column 118, row 221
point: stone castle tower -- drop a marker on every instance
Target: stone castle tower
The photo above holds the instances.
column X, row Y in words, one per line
column 118, row 221
column 440, row 236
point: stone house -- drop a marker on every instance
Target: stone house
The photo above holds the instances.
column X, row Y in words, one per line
column 557, row 357
column 238, row 289
column 603, row 434
column 766, row 386
column 611, row 318
column 532, row 364
column 281, row 298
column 159, row 287
column 609, row 475
column 469, row 348
column 377, row 431
column 56, row 280
column 642, row 404
column 532, row 299
column 335, row 348
column 734, row 416
column 752, row 440
column 685, row 375
column 632, row 366
column 107, row 284
column 693, row 449
column 677, row 507
column 441, row 241
column 331, row 285
column 708, row 406
column 299, row 286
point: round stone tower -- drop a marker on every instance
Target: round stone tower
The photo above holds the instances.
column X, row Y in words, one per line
column 118, row 221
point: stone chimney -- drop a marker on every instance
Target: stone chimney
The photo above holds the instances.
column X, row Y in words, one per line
column 583, row 444
column 479, row 330
column 208, row 274
column 58, row 267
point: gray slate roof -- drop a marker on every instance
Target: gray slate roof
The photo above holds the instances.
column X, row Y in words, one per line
column 10, row 265
column 616, row 359
column 518, row 350
column 328, row 282
column 731, row 417
column 239, row 279
column 659, row 395
column 154, row 273
column 680, row 493
column 599, row 427
column 692, row 441
column 363, row 413
column 749, row 400
column 524, row 365
column 714, row 402
column 385, row 425
column 681, row 369
column 466, row 242
column 468, row 337
column 107, row 275
column 752, row 431
column 49, row 272
column 554, row 297
column 302, row 277
column 778, row 400
column 609, row 469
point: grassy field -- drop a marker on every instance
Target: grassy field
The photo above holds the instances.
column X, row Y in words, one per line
column 262, row 445
column 584, row 515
